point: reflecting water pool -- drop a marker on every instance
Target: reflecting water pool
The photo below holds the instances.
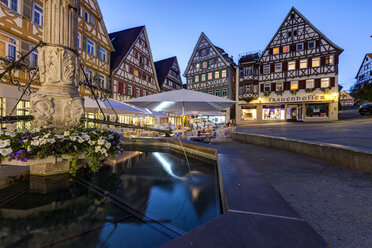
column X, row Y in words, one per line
column 144, row 200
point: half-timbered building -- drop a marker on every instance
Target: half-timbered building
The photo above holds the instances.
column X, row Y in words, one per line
column 168, row 73
column 132, row 68
column 210, row 69
column 247, row 87
column 21, row 29
column 298, row 74
column 364, row 75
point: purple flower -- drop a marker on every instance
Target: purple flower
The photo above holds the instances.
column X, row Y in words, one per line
column 37, row 149
column 71, row 149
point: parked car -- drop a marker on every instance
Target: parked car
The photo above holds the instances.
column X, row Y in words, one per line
column 365, row 108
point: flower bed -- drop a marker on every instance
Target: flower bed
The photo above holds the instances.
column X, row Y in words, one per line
column 40, row 143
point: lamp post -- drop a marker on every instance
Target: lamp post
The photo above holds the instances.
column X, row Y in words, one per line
column 58, row 104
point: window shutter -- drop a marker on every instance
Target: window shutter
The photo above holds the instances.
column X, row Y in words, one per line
column 317, row 83
column 134, row 91
column 200, row 53
column 25, row 47
column 221, row 91
column 84, row 42
column 333, row 82
column 336, row 59
column 120, row 87
column 302, row 84
column 98, row 49
column 297, row 64
column 322, row 61
column 270, row 51
column 193, row 79
column 305, row 45
column 261, row 69
column 200, row 78
column 261, row 87
column 220, row 74
column 228, row 91
column 271, row 68
column 208, row 64
column 214, row 92
column 309, row 62
column 293, row 48
column 280, row 49
column 227, row 73
column 286, row 85
column 285, row 66
column 126, row 89
column 317, row 43
column 213, row 74
column 207, row 51
column 141, row 93
column 273, row 86
column 27, row 9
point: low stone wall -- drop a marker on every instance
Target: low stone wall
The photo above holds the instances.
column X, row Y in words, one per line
column 335, row 154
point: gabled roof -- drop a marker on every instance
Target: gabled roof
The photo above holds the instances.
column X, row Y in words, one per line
column 163, row 67
column 122, row 42
column 218, row 50
column 310, row 24
column 364, row 58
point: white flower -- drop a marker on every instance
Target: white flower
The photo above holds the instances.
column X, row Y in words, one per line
column 35, row 130
column 52, row 141
column 98, row 148
column 103, row 151
column 58, row 136
column 73, row 138
column 43, row 141
column 4, row 143
column 35, row 142
column 9, row 133
column 91, row 142
column 66, row 133
column 6, row 151
column 29, row 149
column 101, row 142
column 80, row 140
column 108, row 145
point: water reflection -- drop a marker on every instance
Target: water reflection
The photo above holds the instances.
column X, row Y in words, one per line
column 35, row 212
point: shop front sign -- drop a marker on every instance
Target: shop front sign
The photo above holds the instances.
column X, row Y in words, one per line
column 312, row 97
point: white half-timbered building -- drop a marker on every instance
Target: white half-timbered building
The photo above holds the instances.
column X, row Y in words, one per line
column 210, row 69
column 132, row 68
column 298, row 74
column 168, row 73
column 364, row 75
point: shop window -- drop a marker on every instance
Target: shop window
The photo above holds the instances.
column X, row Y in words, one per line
column 203, row 78
column 217, row 92
column 276, row 50
column 303, row 63
column 223, row 73
column 273, row 113
column 267, row 88
column 255, row 89
column 285, row 49
column 248, row 88
column 279, row 86
column 278, row 67
column 317, row 110
column 324, row 83
column 310, row 84
column 266, row 69
column 248, row 114
column 328, row 60
column 216, row 74
column 210, row 92
column 294, row 85
column 291, row 65
column 23, row 108
column 315, row 62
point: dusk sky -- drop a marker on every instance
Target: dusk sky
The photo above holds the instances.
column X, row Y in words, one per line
column 240, row 26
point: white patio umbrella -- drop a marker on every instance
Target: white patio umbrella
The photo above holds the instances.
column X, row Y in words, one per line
column 119, row 107
column 182, row 101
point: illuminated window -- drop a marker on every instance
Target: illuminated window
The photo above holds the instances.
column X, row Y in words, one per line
column 223, row 73
column 278, row 67
column 285, row 49
column 255, row 88
column 205, row 65
column 204, row 53
column 38, row 15
column 276, row 50
column 315, row 62
column 266, row 69
column 303, row 64
column 300, row 47
column 197, row 66
column 279, row 86
column 216, row 74
column 196, row 78
column 203, row 77
column 324, row 83
column 136, row 73
column 291, row 65
column 210, row 76
column 328, row 60
column 310, row 84
column 294, row 85
column 267, row 88
column 23, row 108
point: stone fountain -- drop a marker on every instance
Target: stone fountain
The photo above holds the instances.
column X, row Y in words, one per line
column 58, row 104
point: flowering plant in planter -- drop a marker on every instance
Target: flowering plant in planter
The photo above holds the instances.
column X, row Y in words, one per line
column 39, row 143
column 294, row 92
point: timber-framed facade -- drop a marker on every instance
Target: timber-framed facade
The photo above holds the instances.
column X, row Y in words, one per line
column 168, row 73
column 133, row 70
column 298, row 77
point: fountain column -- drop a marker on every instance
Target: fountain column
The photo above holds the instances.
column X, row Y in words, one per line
column 58, row 104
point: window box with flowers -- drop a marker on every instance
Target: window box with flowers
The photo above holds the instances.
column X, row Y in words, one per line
column 50, row 147
column 310, row 90
column 325, row 90
column 294, row 92
column 279, row 93
column 267, row 93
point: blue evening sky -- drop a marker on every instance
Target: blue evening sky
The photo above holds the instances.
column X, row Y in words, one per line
column 240, row 26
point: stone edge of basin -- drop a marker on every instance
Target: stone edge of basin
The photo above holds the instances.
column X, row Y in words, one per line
column 347, row 156
column 255, row 214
